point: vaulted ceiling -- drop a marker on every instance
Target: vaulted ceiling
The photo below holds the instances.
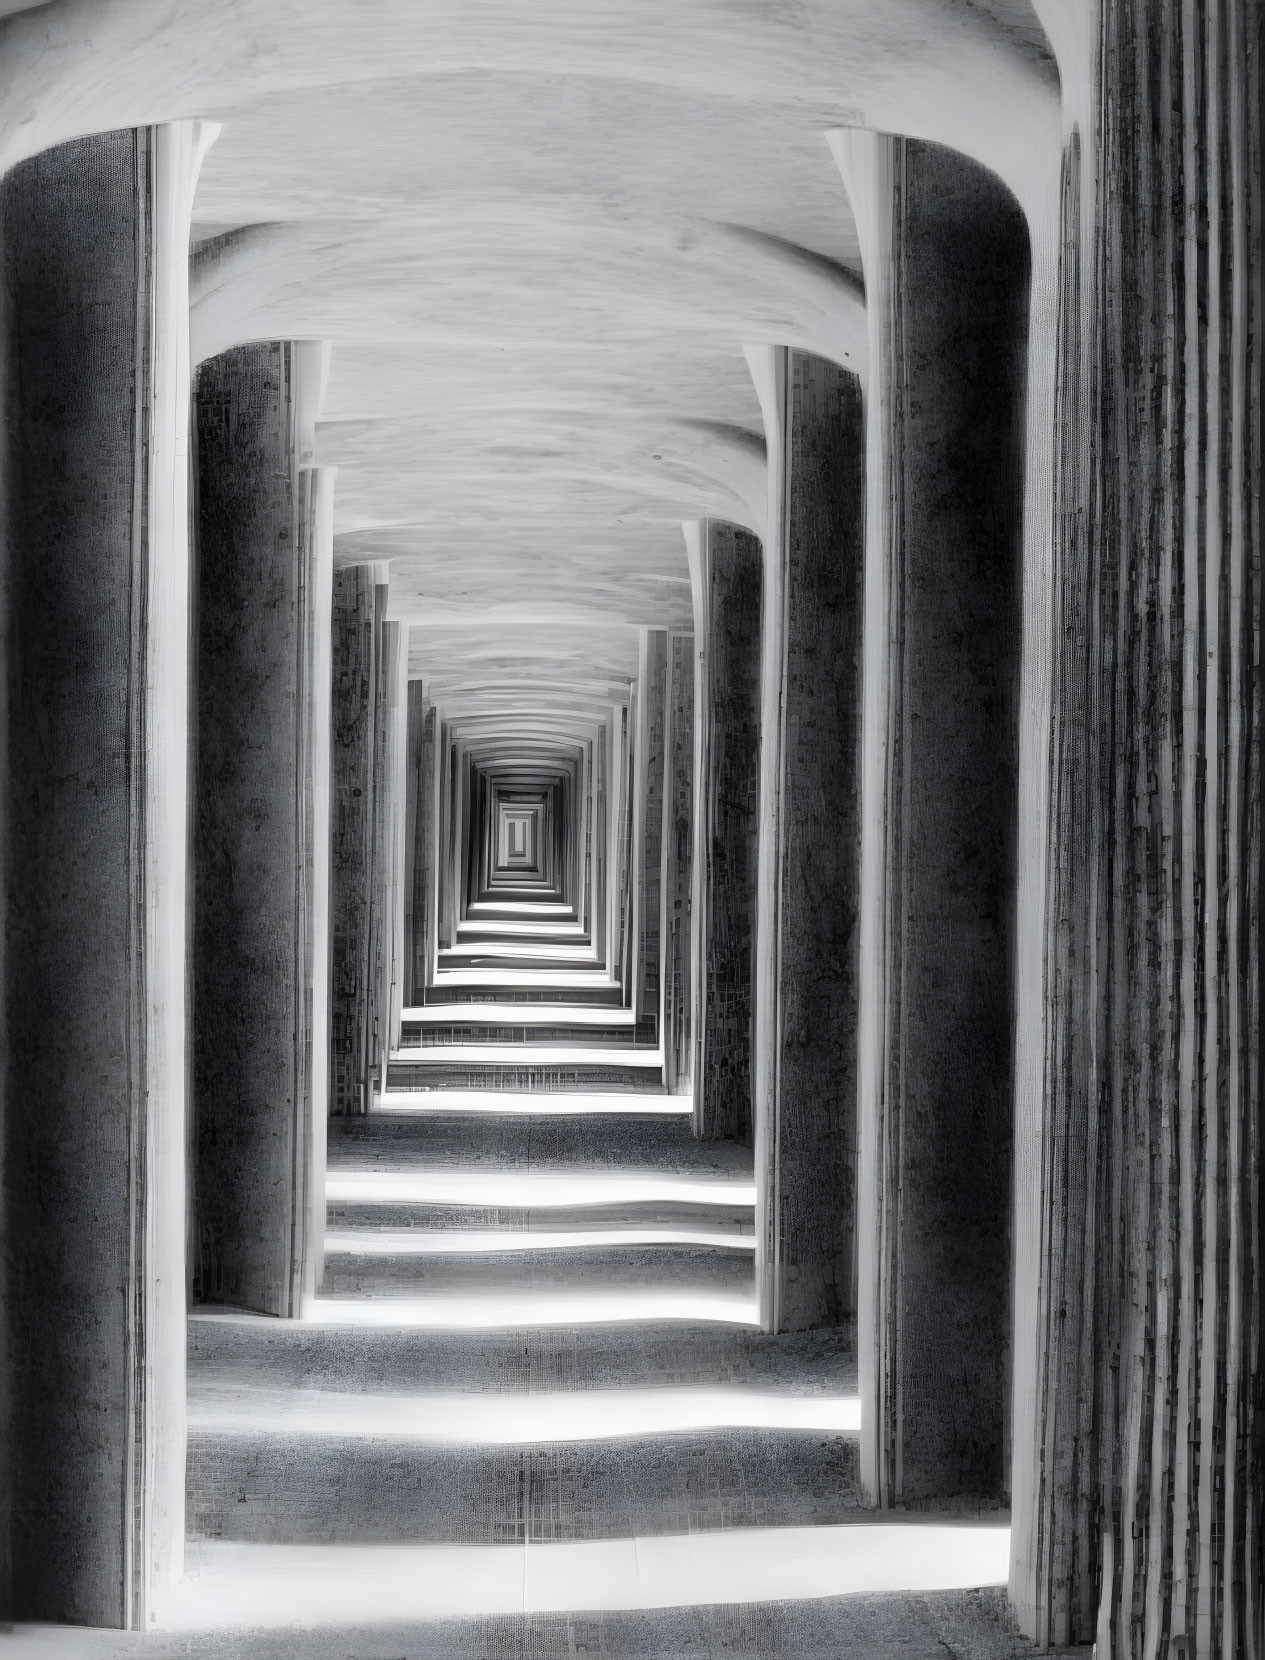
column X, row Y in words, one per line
column 538, row 238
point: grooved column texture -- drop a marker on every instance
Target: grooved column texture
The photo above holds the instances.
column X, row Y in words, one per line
column 76, row 233
column 732, row 667
column 815, row 1132
column 253, row 828
column 353, row 981
column 959, row 287
column 1147, row 1529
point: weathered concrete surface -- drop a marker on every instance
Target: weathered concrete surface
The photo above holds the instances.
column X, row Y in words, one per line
column 566, row 1270
column 960, row 263
column 225, row 1354
column 1140, row 1437
column 95, row 574
column 679, row 866
column 650, row 758
column 732, row 750
column 252, row 944
column 899, row 1626
column 814, row 1151
column 589, row 1141
column 352, row 982
column 389, row 811
column 419, row 843
column 350, row 1490
column 74, row 235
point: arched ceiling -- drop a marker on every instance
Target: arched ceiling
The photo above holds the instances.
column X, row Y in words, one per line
column 538, row 238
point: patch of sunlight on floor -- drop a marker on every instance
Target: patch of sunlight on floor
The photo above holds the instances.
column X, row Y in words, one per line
column 529, row 978
column 424, row 1242
column 513, row 1013
column 546, row 907
column 561, row 952
column 291, row 1585
column 534, row 1103
column 520, row 1310
column 525, row 1054
column 492, row 1418
column 528, row 1189
column 508, row 927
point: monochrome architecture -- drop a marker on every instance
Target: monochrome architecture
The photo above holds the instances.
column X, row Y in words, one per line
column 632, row 828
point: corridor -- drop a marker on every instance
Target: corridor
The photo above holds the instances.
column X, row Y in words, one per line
column 631, row 830
column 537, row 1329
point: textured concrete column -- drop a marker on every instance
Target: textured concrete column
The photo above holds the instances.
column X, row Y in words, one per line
column 603, row 807
column 813, row 1130
column 947, row 273
column 260, row 973
column 1140, row 1529
column 355, row 649
column 447, row 864
column 624, row 892
column 650, row 762
column 390, row 820
column 678, row 820
column 95, row 352
column 729, row 585
column 419, row 842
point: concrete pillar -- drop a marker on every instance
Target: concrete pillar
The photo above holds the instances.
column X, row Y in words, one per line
column 947, row 275
column 1143, row 1426
column 624, row 894
column 650, row 759
column 261, row 823
column 812, row 1135
column 95, row 465
column 419, row 841
column 729, row 588
column 355, row 648
column 389, row 822
column 450, row 786
column 678, row 819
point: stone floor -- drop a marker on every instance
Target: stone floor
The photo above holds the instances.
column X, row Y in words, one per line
column 529, row 1412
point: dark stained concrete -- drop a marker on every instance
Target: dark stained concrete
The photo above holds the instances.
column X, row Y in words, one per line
column 389, row 804
column 519, row 1141
column 732, row 747
column 679, row 862
column 568, row 1269
column 75, row 237
column 476, row 1074
column 352, row 980
column 350, row 1490
column 1147, row 1201
column 419, row 842
column 962, row 292
column 252, row 973
column 420, row 1038
column 814, row 1150
column 652, row 731
column 237, row 1354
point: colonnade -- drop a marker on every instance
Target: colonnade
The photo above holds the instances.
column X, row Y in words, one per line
column 929, row 860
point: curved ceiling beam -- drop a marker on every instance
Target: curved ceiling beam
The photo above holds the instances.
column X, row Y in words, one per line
column 587, row 564
column 943, row 69
column 425, row 474
column 522, row 280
